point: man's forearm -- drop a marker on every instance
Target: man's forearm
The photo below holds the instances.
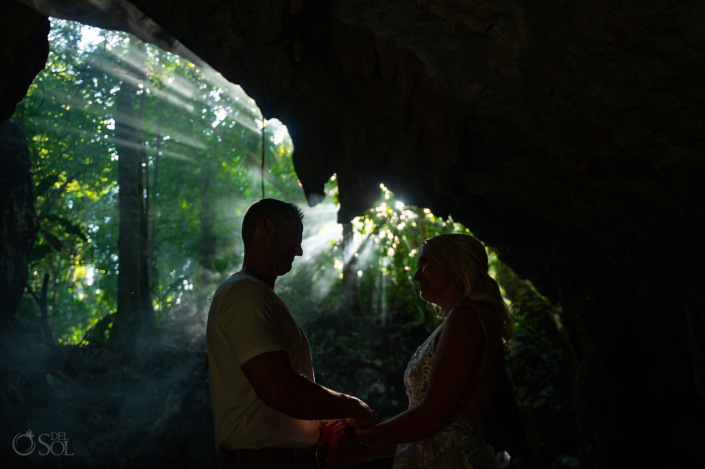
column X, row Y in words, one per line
column 306, row 400
column 282, row 389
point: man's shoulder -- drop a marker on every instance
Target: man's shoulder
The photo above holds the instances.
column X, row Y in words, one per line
column 244, row 282
column 238, row 284
column 237, row 296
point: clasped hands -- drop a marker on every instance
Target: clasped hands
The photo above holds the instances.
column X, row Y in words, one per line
column 343, row 446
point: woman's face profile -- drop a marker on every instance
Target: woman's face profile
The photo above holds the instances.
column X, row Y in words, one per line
column 432, row 281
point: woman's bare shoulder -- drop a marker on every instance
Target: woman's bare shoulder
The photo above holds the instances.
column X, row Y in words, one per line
column 467, row 310
column 464, row 317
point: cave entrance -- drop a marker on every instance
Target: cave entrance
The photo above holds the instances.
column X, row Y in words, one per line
column 196, row 144
column 197, row 140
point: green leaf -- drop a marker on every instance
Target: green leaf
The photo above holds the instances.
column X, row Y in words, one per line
column 69, row 226
column 52, row 240
column 45, row 184
column 97, row 332
column 74, row 229
column 39, row 251
column 220, row 265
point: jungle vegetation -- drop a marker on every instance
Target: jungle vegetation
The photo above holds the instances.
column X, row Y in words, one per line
column 143, row 166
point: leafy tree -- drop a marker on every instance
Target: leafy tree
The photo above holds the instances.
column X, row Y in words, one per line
column 61, row 118
column 188, row 126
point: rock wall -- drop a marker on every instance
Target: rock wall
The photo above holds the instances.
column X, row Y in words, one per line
column 24, row 51
column 566, row 135
column 18, row 229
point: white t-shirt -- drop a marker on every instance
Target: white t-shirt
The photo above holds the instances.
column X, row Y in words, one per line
column 246, row 319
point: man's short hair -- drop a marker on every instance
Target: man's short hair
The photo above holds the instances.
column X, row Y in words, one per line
column 276, row 210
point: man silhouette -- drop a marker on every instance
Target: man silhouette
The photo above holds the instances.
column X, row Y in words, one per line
column 266, row 404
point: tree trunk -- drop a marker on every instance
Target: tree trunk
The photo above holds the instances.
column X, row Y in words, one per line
column 44, row 308
column 127, row 327
column 349, row 299
column 207, row 249
column 145, row 286
column 207, row 224
column 152, row 216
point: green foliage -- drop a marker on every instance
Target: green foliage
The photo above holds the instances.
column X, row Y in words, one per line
column 202, row 146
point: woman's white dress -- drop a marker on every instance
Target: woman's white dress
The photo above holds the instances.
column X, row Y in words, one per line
column 459, row 444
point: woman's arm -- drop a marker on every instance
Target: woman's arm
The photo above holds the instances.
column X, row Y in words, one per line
column 454, row 364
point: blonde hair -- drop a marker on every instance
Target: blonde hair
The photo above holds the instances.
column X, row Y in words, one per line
column 463, row 258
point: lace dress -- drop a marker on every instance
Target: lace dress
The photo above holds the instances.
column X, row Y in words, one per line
column 459, row 444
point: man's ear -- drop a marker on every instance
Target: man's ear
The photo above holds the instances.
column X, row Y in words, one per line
column 267, row 226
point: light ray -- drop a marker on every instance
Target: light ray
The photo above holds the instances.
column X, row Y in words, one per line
column 138, row 146
column 182, row 139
